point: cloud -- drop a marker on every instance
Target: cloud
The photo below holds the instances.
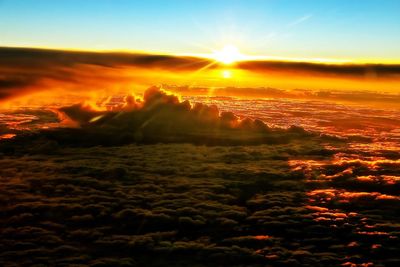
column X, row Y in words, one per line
column 345, row 70
column 184, row 205
column 24, row 71
column 158, row 117
column 162, row 117
column 26, row 58
column 192, row 215
column 173, row 203
column 247, row 92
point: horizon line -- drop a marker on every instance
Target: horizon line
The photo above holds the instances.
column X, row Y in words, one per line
column 317, row 60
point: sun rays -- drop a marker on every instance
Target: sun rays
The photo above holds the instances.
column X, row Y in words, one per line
column 229, row 54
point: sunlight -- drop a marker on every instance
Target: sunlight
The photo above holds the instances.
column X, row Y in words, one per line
column 228, row 54
column 226, row 74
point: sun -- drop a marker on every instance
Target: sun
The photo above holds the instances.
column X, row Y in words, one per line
column 229, row 54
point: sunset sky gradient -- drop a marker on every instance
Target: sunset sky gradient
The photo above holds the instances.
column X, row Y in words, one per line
column 123, row 46
column 343, row 29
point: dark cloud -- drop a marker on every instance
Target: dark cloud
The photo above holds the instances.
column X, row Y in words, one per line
column 23, row 70
column 178, row 215
column 345, row 69
column 27, row 58
column 15, row 82
column 184, row 205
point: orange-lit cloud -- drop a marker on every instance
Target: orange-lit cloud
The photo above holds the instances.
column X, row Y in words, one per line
column 163, row 117
column 24, row 71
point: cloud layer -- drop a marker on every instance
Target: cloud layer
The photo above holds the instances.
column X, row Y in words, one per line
column 87, row 196
column 185, row 205
column 25, row 70
column 345, row 70
column 161, row 117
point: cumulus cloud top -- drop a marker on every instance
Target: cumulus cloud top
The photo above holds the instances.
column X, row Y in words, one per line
column 162, row 117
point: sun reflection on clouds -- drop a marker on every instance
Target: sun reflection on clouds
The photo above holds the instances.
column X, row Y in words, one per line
column 227, row 74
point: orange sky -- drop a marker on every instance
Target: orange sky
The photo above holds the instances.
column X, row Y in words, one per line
column 27, row 71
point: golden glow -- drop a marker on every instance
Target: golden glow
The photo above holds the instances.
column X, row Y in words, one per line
column 227, row 74
column 228, row 54
column 227, row 49
column 210, row 70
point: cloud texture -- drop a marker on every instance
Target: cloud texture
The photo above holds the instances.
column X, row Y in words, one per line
column 160, row 117
column 24, row 71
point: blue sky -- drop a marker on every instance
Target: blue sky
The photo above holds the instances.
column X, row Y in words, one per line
column 347, row 29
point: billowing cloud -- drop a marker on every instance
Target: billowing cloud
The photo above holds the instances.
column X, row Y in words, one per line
column 162, row 117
